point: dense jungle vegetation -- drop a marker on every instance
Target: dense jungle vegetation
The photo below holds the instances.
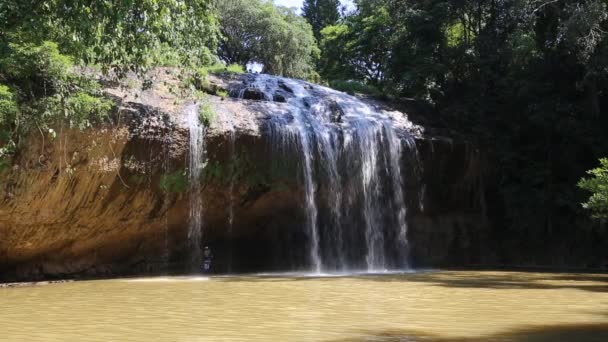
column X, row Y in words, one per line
column 525, row 79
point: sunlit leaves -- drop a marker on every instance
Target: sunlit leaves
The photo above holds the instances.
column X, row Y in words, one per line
column 119, row 35
column 597, row 184
column 8, row 107
column 320, row 14
column 256, row 31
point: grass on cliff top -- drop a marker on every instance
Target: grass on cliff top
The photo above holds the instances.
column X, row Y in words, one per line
column 219, row 68
column 206, row 114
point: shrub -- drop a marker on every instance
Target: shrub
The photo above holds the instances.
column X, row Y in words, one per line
column 219, row 68
column 46, row 89
column 38, row 70
column 598, row 186
column 175, row 182
column 8, row 107
column 206, row 115
column 222, row 93
column 4, row 165
column 84, row 110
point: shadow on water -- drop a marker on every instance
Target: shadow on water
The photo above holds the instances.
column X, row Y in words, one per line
column 502, row 280
column 575, row 333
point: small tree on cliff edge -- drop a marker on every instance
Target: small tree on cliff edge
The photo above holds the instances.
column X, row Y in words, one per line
column 598, row 185
column 320, row 14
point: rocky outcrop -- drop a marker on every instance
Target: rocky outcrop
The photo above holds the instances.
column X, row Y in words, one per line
column 114, row 200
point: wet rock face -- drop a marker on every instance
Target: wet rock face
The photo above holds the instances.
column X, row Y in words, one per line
column 253, row 94
column 279, row 98
column 115, row 200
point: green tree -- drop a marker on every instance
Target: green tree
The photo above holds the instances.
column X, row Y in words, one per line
column 336, row 61
column 320, row 14
column 122, row 35
column 598, row 186
column 365, row 43
column 256, row 31
column 240, row 25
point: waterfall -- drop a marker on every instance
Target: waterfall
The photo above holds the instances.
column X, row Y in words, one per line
column 351, row 155
column 395, row 151
column 367, row 138
column 309, row 186
column 196, row 164
column 300, row 137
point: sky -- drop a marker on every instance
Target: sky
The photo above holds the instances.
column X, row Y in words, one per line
column 289, row 3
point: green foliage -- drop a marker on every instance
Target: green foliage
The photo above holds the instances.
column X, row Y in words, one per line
column 4, row 165
column 598, row 186
column 241, row 168
column 206, row 114
column 84, row 110
column 585, row 26
column 168, row 57
column 320, row 14
column 8, row 107
column 455, row 34
column 198, row 79
column 222, row 93
column 120, row 35
column 214, row 172
column 36, row 69
column 175, row 182
column 359, row 47
column 256, row 31
column 355, row 87
column 40, row 41
column 336, row 62
column 43, row 89
column 219, row 68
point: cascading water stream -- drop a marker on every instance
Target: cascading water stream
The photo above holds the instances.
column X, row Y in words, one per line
column 367, row 139
column 304, row 135
column 351, row 158
column 196, row 164
column 395, row 151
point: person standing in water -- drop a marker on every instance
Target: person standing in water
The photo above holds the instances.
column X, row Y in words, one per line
column 207, row 257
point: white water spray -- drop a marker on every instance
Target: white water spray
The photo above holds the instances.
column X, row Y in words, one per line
column 196, row 164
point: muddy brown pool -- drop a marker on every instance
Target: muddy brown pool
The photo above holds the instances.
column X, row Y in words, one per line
column 422, row 306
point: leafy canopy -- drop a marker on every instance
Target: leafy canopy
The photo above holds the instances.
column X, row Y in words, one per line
column 256, row 31
column 121, row 35
column 320, row 14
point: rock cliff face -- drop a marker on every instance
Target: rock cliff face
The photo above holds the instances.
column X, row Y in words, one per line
column 115, row 200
